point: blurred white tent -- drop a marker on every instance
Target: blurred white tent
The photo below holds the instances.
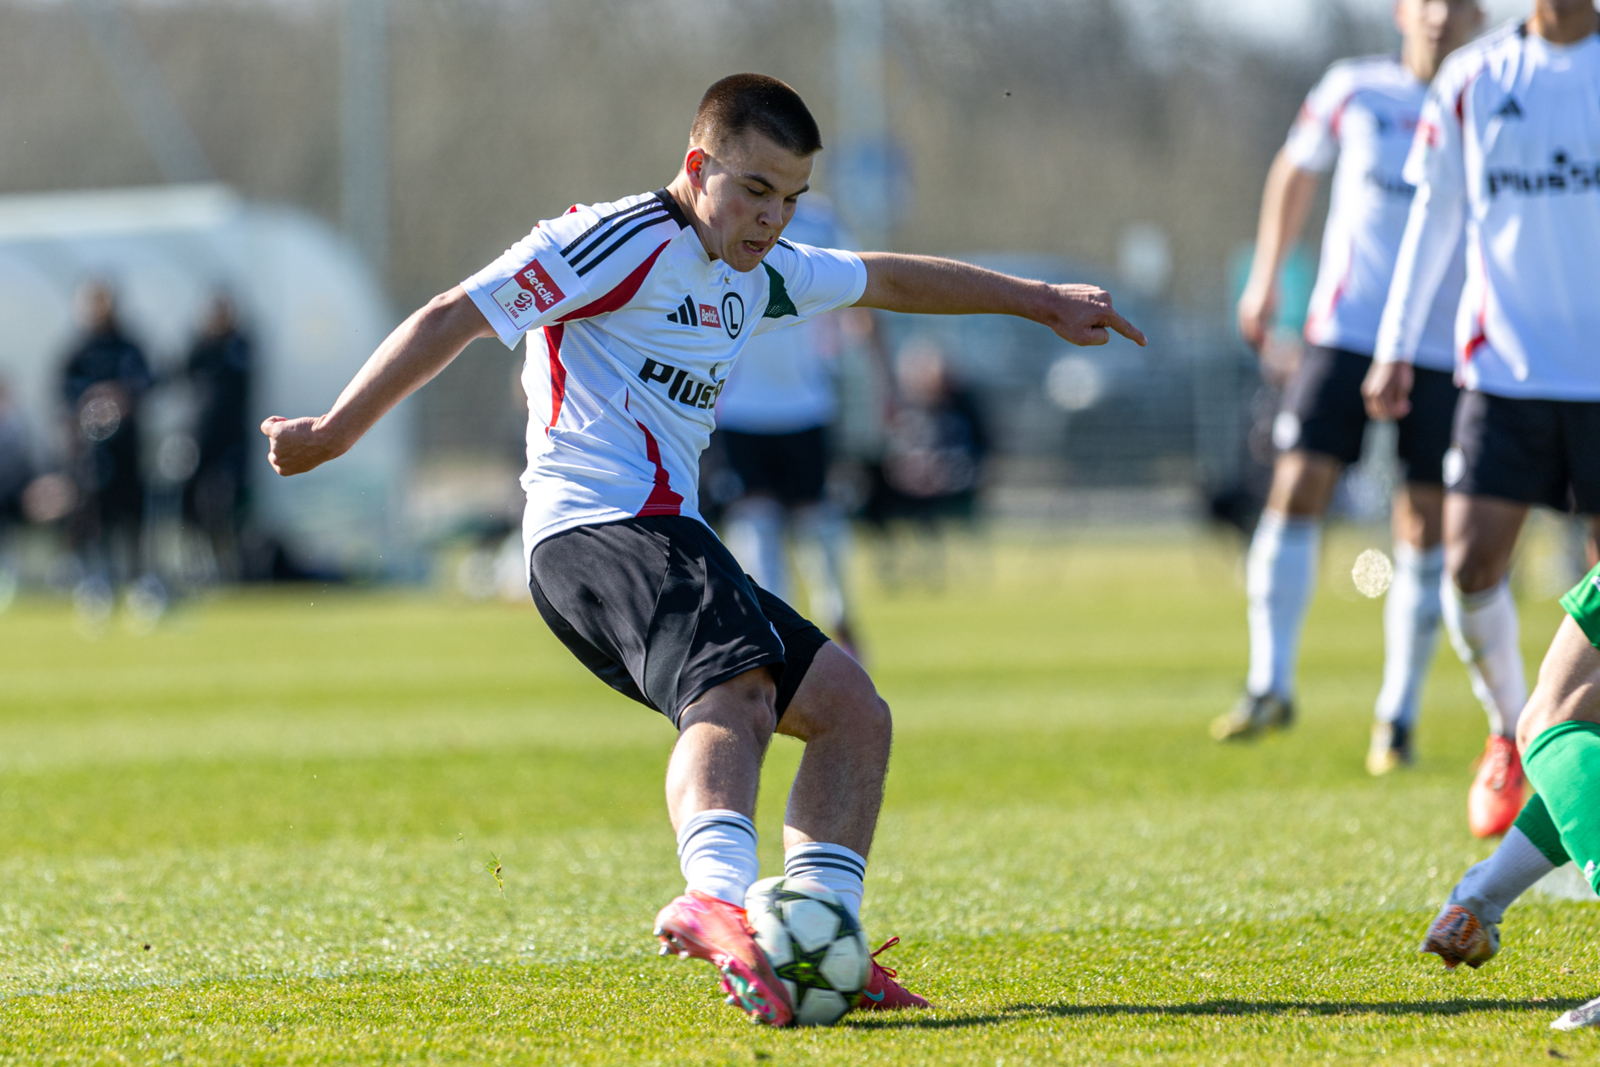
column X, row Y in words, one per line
column 310, row 304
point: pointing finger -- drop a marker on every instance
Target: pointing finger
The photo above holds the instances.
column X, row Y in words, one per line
column 1125, row 328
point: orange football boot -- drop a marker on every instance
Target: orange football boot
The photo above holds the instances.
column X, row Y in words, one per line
column 1457, row 936
column 1495, row 799
column 882, row 992
column 702, row 927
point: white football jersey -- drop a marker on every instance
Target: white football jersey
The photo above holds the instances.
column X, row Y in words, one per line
column 639, row 330
column 1363, row 114
column 1509, row 148
column 784, row 382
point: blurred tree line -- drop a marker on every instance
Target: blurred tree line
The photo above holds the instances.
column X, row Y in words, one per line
column 1026, row 125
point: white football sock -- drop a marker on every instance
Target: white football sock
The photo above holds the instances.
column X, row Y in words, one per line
column 755, row 537
column 1488, row 888
column 717, row 854
column 824, row 549
column 1487, row 636
column 1280, row 574
column 1410, row 631
column 830, row 867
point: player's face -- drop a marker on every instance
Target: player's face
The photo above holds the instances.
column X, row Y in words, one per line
column 748, row 193
column 1435, row 28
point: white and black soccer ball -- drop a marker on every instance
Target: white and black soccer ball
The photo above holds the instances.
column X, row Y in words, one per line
column 813, row 944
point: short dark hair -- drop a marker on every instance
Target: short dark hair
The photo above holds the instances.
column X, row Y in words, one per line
column 742, row 102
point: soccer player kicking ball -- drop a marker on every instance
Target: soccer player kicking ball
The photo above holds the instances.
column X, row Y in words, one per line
column 1363, row 114
column 1509, row 151
column 643, row 305
column 1559, row 733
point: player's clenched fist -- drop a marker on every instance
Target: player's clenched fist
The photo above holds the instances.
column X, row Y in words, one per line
column 298, row 445
column 1387, row 390
column 1084, row 316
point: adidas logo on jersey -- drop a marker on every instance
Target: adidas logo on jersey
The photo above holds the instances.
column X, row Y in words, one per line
column 690, row 313
column 1509, row 110
column 683, row 389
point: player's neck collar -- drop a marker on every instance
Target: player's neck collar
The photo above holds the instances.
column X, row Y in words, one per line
column 674, row 208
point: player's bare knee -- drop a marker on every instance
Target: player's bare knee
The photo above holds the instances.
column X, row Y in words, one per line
column 837, row 697
column 1470, row 572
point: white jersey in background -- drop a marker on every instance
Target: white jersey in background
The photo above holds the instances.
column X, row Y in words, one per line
column 639, row 330
column 1363, row 113
column 1510, row 146
column 783, row 382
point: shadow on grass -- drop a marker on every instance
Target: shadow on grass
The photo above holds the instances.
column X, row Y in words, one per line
column 1019, row 1012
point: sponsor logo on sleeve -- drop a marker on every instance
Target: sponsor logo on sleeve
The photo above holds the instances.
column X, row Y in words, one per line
column 530, row 293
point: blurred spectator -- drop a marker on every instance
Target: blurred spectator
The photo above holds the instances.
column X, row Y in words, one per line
column 16, row 471
column 103, row 382
column 219, row 370
column 933, row 464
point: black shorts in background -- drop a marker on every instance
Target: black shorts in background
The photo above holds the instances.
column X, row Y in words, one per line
column 792, row 467
column 661, row 612
column 1527, row 451
column 1323, row 413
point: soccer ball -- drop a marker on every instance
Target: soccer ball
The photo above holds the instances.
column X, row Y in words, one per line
column 813, row 944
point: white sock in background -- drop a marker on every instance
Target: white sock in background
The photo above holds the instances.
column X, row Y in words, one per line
column 830, row 867
column 755, row 537
column 1410, row 631
column 1280, row 573
column 717, row 854
column 823, row 552
column 1488, row 888
column 1486, row 635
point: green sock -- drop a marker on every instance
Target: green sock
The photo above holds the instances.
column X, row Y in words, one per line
column 1536, row 823
column 1563, row 763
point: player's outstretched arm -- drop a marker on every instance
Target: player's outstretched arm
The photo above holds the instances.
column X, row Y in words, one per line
column 925, row 285
column 419, row 348
column 1285, row 203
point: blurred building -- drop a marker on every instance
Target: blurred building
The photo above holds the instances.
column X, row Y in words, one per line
column 314, row 310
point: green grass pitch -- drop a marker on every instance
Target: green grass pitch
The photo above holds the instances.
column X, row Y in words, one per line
column 264, row 833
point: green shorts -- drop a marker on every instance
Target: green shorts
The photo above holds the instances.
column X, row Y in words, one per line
column 1583, row 604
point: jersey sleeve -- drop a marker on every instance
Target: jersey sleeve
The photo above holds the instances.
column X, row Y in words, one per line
column 805, row 281
column 1437, row 167
column 531, row 284
column 1313, row 142
column 590, row 261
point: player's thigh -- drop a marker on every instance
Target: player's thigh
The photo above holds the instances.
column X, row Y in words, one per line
column 1569, row 682
column 1419, row 514
column 1303, row 483
column 836, row 694
column 820, row 687
column 1480, row 535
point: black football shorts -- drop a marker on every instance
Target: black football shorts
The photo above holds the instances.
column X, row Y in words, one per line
column 1323, row 412
column 793, row 467
column 660, row 611
column 1527, row 451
